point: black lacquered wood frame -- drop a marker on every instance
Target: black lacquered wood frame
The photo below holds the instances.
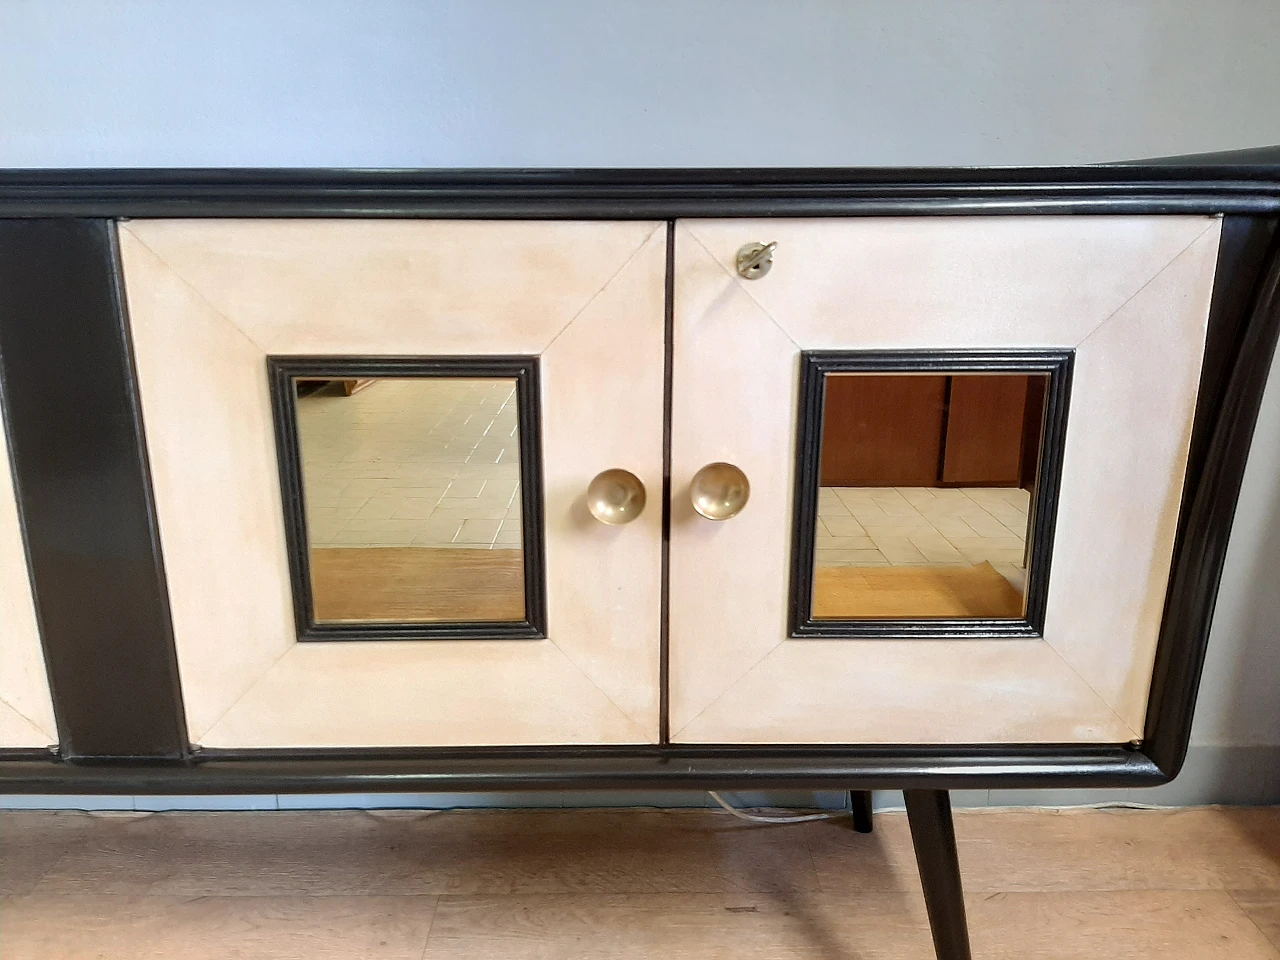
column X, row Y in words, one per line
column 815, row 366
column 1242, row 183
column 283, row 372
column 1243, row 326
column 81, row 477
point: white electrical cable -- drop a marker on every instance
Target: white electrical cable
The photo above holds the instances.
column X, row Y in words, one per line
column 754, row 818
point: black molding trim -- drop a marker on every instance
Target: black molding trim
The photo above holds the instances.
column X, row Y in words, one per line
column 889, row 767
column 814, row 368
column 281, row 371
column 1244, row 324
column 27, row 754
column 84, row 491
column 1203, row 187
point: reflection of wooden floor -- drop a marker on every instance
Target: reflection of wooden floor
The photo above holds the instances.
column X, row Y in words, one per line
column 944, row 591
column 410, row 584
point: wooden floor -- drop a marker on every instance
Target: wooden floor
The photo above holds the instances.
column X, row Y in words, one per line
column 939, row 591
column 657, row 885
column 415, row 584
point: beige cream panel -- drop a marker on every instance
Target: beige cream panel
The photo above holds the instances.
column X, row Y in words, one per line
column 908, row 691
column 602, row 386
column 204, row 396
column 734, row 379
column 1132, row 404
column 17, row 731
column 26, row 709
column 438, row 693
column 211, row 449
column 383, row 287
column 734, row 675
column 949, row 281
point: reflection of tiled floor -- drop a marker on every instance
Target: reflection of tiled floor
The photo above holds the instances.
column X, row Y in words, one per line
column 898, row 526
column 412, row 462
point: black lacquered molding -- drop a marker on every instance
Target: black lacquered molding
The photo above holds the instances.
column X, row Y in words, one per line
column 84, row 491
column 814, row 368
column 1244, row 323
column 715, row 767
column 1237, row 185
column 283, row 370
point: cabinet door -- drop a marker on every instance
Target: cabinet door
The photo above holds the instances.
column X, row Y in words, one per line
column 371, row 443
column 918, row 613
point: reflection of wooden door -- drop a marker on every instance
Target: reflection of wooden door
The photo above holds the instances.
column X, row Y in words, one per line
column 984, row 430
column 911, row 430
column 882, row 431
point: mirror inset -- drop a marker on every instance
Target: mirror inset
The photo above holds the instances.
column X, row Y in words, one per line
column 925, row 494
column 926, row 491
column 412, row 502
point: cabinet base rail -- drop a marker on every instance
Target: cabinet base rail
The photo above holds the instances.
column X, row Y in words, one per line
column 403, row 770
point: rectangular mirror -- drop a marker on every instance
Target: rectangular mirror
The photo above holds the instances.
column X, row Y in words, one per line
column 412, row 505
column 925, row 495
column 927, row 491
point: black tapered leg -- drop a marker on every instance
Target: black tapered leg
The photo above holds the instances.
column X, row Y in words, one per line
column 860, row 804
column 934, row 837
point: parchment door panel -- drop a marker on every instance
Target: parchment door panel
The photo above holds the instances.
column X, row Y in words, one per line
column 209, row 301
column 1129, row 295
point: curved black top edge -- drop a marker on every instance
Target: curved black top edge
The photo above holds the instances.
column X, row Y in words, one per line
column 1225, row 183
column 1255, row 163
column 1250, row 156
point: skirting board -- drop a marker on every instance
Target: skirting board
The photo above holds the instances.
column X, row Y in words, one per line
column 1235, row 775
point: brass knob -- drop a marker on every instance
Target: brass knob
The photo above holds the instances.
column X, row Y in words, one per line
column 615, row 497
column 719, row 491
column 754, row 260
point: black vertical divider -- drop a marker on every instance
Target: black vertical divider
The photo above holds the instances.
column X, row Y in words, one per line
column 75, row 436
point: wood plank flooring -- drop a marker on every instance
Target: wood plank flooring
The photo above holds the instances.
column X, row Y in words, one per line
column 417, row 584
column 675, row 885
column 942, row 591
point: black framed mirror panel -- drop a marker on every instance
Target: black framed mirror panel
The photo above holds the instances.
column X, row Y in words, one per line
column 901, row 457
column 416, row 550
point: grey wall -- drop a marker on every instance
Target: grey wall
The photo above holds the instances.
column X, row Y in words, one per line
column 645, row 82
column 699, row 82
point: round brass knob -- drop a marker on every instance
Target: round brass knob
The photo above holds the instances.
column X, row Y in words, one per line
column 615, row 497
column 719, row 491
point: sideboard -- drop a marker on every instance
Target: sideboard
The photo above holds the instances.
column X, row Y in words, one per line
column 639, row 479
